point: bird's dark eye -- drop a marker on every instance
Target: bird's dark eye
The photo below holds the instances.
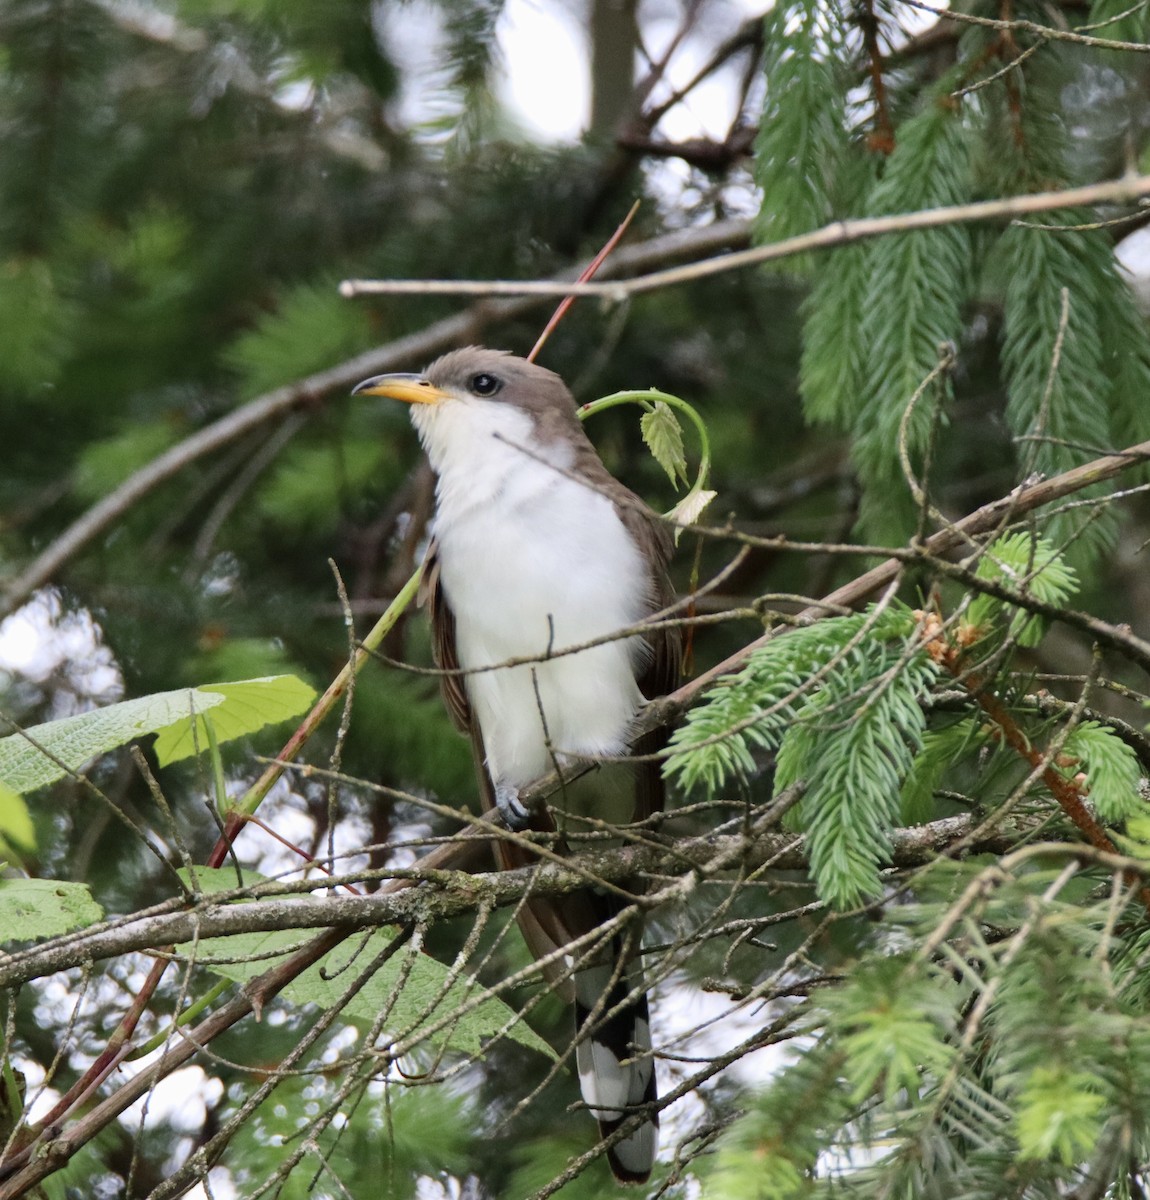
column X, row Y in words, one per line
column 484, row 384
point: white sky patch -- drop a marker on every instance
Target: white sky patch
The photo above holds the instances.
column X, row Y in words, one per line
column 179, row 1101
column 42, row 640
column 704, row 1025
column 545, row 78
column 427, row 1188
column 286, row 811
column 413, row 35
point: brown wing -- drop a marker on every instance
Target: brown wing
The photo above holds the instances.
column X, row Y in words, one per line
column 662, row 673
column 443, row 640
column 652, row 532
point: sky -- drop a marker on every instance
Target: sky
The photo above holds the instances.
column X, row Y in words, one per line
column 544, row 76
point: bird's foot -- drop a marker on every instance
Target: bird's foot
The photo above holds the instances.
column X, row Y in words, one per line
column 511, row 808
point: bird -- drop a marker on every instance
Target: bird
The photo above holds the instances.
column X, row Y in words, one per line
column 536, row 548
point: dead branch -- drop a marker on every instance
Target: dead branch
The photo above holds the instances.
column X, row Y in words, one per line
column 442, row 894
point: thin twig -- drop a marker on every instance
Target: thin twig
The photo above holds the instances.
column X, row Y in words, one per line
column 839, row 233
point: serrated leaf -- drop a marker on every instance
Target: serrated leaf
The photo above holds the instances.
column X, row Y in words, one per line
column 424, row 998
column 692, row 506
column 664, row 437
column 45, row 753
column 41, row 908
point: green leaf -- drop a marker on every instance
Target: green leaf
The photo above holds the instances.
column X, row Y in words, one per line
column 210, row 880
column 418, row 999
column 41, row 908
column 691, row 507
column 664, row 437
column 47, row 752
column 16, row 828
column 247, row 707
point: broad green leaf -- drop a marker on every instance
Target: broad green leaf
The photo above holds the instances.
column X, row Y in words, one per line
column 47, row 752
column 218, row 879
column 16, row 828
column 41, row 908
column 664, row 437
column 421, row 1002
column 249, row 705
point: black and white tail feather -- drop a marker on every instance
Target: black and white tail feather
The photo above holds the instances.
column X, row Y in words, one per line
column 615, row 1064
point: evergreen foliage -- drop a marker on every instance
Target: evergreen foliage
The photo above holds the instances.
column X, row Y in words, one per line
column 881, row 316
column 840, row 703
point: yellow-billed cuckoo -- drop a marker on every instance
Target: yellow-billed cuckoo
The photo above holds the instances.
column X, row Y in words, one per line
column 537, row 548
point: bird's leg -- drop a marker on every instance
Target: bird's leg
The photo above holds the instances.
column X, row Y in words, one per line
column 511, row 808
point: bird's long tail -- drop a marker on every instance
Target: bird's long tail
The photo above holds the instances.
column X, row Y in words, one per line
column 616, row 1068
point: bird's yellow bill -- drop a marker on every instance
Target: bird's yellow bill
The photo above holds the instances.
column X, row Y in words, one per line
column 411, row 389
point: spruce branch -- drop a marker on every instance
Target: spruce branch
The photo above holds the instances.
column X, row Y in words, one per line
column 1069, row 792
column 990, row 517
column 1046, row 32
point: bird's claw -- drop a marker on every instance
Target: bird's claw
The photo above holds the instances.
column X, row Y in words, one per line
column 511, row 808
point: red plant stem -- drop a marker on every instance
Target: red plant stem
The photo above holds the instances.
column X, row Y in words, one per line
column 882, row 139
column 1066, row 791
column 588, row 273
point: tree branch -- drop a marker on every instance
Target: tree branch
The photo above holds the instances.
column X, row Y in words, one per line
column 446, row 894
column 840, row 233
column 996, row 515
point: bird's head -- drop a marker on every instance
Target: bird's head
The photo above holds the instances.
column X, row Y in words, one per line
column 469, row 393
column 474, row 374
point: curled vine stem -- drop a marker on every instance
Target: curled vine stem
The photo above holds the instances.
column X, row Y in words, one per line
column 691, row 506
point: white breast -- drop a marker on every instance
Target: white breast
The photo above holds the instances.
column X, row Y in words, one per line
column 532, row 562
